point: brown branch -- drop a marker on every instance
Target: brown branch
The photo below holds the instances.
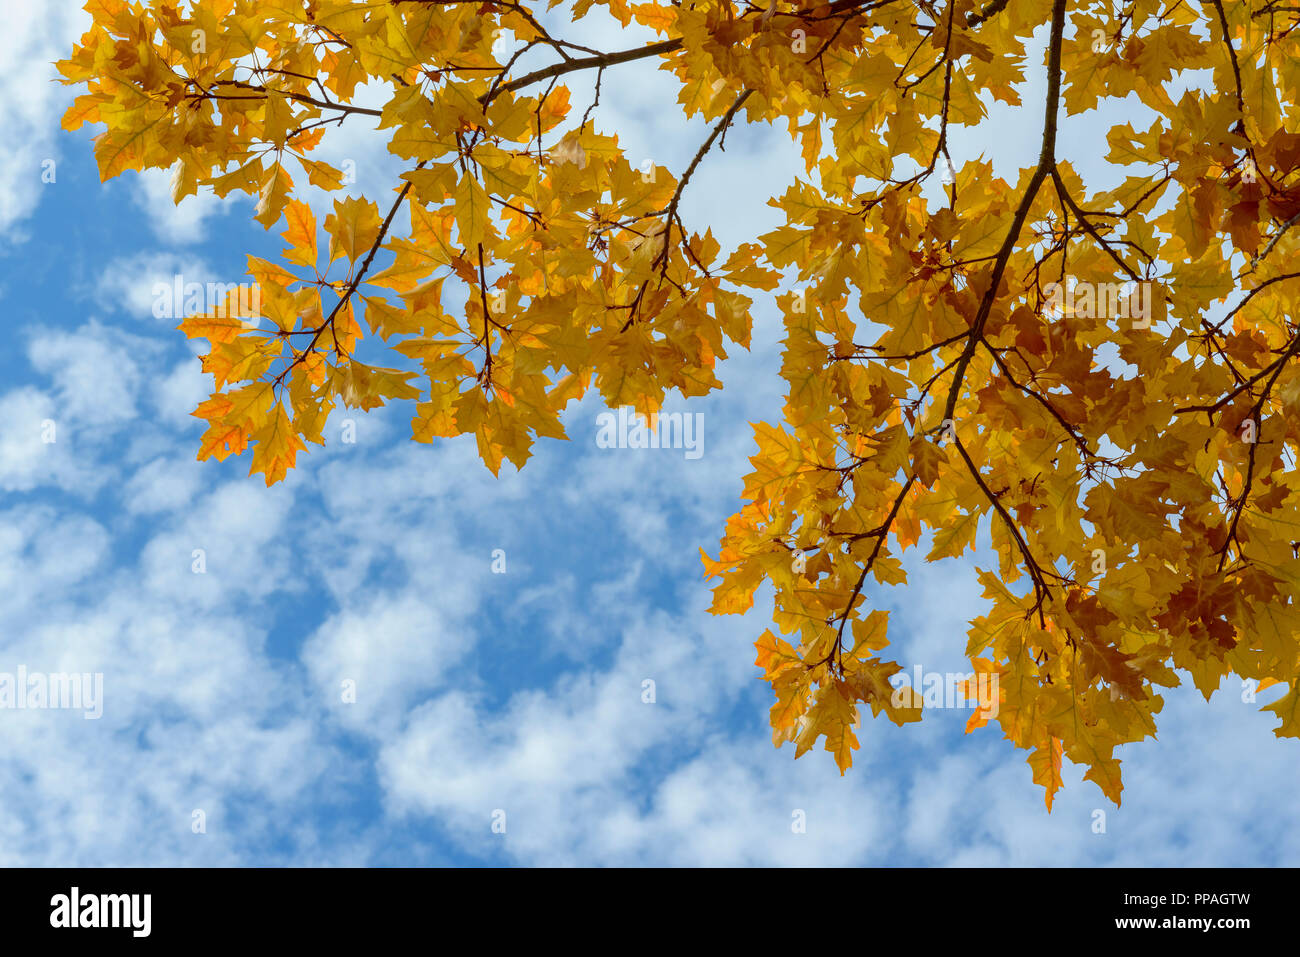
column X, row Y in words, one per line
column 881, row 533
column 641, row 53
column 584, row 63
column 1232, row 53
column 1046, row 163
column 1070, row 430
column 485, row 374
column 1041, row 590
column 352, row 285
column 299, row 97
column 671, row 209
column 1239, row 505
column 992, row 10
column 1091, row 230
column 1273, row 242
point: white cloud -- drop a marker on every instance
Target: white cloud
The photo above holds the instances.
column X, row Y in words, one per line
column 95, row 371
column 36, row 448
column 174, row 223
column 164, row 485
column 563, row 763
column 133, row 283
column 235, row 535
column 43, row 552
column 390, row 649
column 178, row 393
column 521, row 692
column 34, row 35
column 195, row 716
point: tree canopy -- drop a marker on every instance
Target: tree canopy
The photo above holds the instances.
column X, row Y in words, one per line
column 1101, row 378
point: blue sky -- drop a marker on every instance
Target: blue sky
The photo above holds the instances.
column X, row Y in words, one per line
column 476, row 692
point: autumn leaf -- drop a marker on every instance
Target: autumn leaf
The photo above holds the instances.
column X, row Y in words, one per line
column 1046, row 762
column 926, row 458
column 353, row 228
column 301, row 234
column 1104, row 379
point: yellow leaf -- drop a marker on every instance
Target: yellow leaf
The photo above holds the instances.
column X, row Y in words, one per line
column 301, row 234
column 353, row 228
